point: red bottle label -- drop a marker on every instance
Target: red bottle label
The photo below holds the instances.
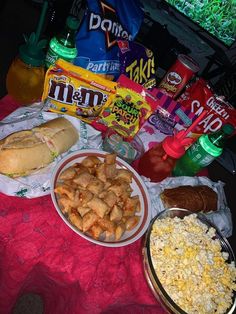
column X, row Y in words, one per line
column 156, row 164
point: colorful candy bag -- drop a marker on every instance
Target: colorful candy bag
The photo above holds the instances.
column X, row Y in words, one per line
column 199, row 96
column 128, row 110
column 75, row 91
column 104, row 23
column 168, row 118
column 137, row 63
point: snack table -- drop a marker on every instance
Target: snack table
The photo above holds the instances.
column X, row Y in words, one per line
column 40, row 254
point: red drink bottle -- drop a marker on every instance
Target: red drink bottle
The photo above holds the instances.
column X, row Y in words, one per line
column 159, row 161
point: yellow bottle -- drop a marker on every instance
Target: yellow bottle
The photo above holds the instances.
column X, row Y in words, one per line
column 25, row 77
column 25, row 81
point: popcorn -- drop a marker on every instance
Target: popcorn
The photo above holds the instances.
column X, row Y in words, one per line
column 190, row 265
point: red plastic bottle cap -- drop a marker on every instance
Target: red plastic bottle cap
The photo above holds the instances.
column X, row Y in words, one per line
column 174, row 146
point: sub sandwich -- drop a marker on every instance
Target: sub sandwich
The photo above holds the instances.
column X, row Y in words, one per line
column 24, row 152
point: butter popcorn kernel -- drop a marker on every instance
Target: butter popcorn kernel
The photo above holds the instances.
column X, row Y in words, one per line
column 190, row 265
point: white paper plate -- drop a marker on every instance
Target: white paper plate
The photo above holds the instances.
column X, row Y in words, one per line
column 137, row 185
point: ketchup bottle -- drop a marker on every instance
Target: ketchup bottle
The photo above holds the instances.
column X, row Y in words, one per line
column 158, row 162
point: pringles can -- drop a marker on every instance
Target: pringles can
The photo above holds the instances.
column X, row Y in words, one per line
column 178, row 76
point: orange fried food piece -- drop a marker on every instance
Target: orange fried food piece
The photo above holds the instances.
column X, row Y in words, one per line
column 110, row 198
column 110, row 171
column 116, row 213
column 65, row 204
column 100, row 172
column 120, row 229
column 84, row 197
column 83, row 210
column 89, row 220
column 125, row 175
column 106, row 224
column 64, row 189
column 68, row 173
column 83, row 179
column 95, row 186
column 91, row 161
column 98, row 206
column 96, row 231
column 110, row 159
column 132, row 222
column 76, row 219
column 131, row 206
column 120, row 187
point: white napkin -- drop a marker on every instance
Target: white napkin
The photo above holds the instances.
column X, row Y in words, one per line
column 221, row 218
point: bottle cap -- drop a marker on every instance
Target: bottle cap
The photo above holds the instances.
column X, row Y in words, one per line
column 174, row 146
column 32, row 52
column 209, row 146
column 72, row 22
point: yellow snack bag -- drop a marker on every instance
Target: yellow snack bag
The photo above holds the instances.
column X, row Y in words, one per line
column 76, row 91
column 128, row 110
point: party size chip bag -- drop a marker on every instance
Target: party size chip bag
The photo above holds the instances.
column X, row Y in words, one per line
column 76, row 91
column 105, row 22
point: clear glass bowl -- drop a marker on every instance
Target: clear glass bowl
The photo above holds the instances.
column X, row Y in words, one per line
column 129, row 151
column 150, row 274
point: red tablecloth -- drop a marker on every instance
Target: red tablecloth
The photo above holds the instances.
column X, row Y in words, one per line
column 40, row 254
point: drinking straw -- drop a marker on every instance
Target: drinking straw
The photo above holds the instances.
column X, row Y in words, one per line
column 41, row 20
column 193, row 125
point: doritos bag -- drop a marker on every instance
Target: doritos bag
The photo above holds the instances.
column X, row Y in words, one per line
column 104, row 23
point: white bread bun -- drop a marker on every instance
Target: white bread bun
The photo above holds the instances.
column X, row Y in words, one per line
column 24, row 152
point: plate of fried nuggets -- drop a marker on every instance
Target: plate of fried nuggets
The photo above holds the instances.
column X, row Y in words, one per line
column 101, row 197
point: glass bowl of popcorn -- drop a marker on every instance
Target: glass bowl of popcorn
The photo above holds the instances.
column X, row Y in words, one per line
column 188, row 264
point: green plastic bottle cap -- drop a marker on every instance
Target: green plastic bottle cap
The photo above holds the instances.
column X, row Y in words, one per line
column 228, row 129
column 72, row 22
column 32, row 55
column 32, row 51
column 209, row 147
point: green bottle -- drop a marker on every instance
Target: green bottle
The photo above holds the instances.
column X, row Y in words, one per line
column 199, row 155
column 63, row 45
